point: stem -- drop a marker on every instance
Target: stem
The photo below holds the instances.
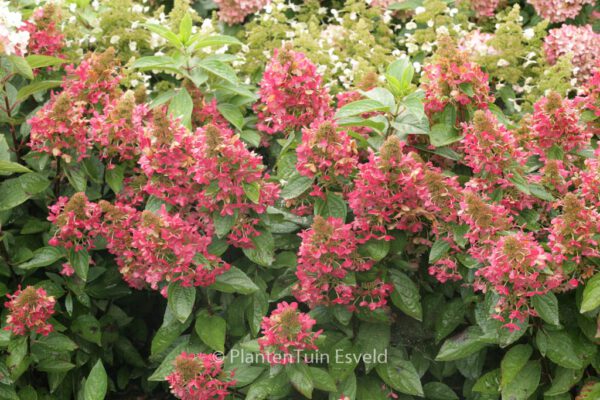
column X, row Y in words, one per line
column 16, row 145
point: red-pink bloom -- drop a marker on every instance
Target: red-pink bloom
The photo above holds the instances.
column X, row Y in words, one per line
column 590, row 180
column 60, row 128
column 235, row 11
column 573, row 234
column 327, row 153
column 452, row 79
column 77, row 221
column 558, row 10
column 579, row 41
column 517, row 269
column 397, row 190
column 287, row 333
column 590, row 100
column 210, row 170
column 154, row 249
column 328, row 253
column 555, row 122
column 115, row 130
column 199, row 377
column 29, row 311
column 445, row 270
column 44, row 37
column 490, row 149
column 292, row 95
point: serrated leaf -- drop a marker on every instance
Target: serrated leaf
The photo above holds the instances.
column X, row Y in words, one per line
column 402, row 376
column 211, row 330
column 234, row 281
column 333, row 206
column 296, row 186
column 513, row 362
column 40, row 61
column 406, row 295
column 232, row 114
column 547, row 307
column 360, row 107
column 438, row 250
column 263, row 252
column 591, row 294
column 526, row 385
column 300, row 378
column 96, row 384
column 219, row 69
column 181, row 300
column 43, row 257
column 462, row 345
column 9, row 167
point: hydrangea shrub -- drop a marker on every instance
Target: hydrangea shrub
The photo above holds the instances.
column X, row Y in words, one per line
column 342, row 200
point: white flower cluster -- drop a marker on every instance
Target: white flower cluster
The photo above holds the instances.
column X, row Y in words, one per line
column 12, row 39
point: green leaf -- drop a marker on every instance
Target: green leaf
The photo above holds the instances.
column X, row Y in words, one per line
column 40, row 61
column 21, row 67
column 403, row 70
column 402, row 376
column 560, row 349
column 296, row 186
column 214, row 40
column 462, row 345
column 211, row 330
column 181, row 300
column 96, row 384
column 232, row 114
column 439, row 391
column 300, row 378
column 185, row 28
column 181, row 106
column 513, row 362
column 252, row 191
column 438, row 250
column 488, row 383
column 51, row 365
column 333, row 206
column 153, row 62
column 564, row 379
column 114, row 177
column 360, row 107
column 443, row 135
column 375, row 249
column 547, row 307
column 591, row 294
column 406, row 295
column 9, row 167
column 263, row 252
column 449, row 319
column 234, row 281
column 526, row 385
column 219, row 69
column 223, row 223
column 322, row 380
column 382, row 96
column 167, row 34
column 80, row 261
column 43, row 257
column 88, row 328
column 372, row 339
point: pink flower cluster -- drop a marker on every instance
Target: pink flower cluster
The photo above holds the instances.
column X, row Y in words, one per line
column 558, row 10
column 517, row 270
column 199, row 377
column 326, row 152
column 90, row 110
column 76, row 220
column 44, row 37
column 590, row 100
column 292, row 95
column 154, row 249
column 210, row 170
column 328, row 255
column 555, row 122
column 581, row 42
column 397, row 190
column 29, row 311
column 489, row 147
column 286, row 333
column 235, row 11
column 452, row 79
